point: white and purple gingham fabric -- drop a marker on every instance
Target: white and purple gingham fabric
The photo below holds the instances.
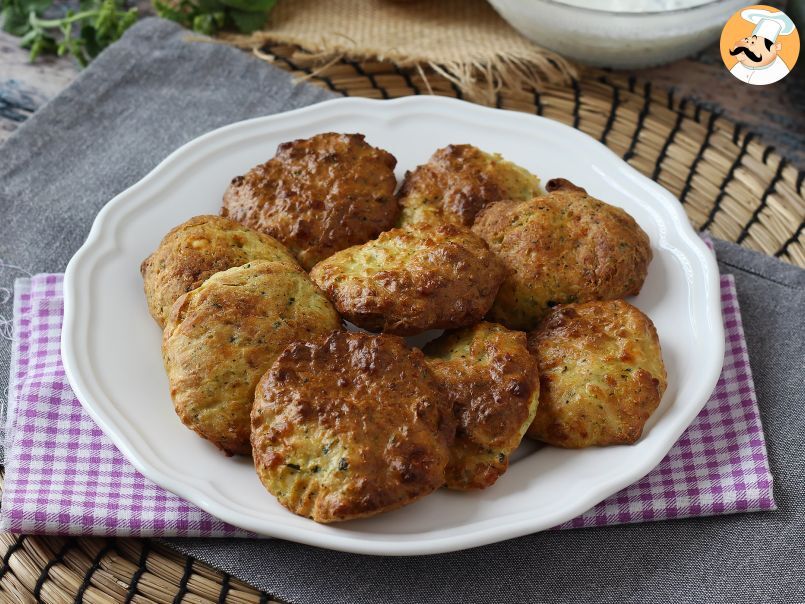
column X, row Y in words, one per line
column 64, row 476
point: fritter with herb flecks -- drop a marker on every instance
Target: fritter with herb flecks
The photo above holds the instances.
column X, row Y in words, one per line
column 491, row 379
column 318, row 195
column 222, row 337
column 561, row 248
column 413, row 279
column 457, row 182
column 193, row 251
column 601, row 374
column 350, row 425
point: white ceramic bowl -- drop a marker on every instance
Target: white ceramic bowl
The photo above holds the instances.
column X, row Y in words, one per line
column 111, row 346
column 621, row 40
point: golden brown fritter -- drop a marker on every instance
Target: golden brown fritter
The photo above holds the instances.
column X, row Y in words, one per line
column 601, row 374
column 491, row 378
column 413, row 279
column 318, row 195
column 221, row 337
column 561, row 248
column 193, row 251
column 459, row 181
column 350, row 425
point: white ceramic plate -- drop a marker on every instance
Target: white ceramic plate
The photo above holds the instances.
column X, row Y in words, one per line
column 111, row 346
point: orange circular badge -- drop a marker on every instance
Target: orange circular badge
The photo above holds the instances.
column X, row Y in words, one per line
column 760, row 45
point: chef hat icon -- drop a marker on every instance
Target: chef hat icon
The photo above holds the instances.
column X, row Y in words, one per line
column 769, row 24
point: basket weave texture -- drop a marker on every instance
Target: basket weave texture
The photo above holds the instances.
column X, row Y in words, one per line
column 728, row 181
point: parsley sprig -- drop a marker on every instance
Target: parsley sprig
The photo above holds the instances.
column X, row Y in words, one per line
column 85, row 32
column 210, row 16
column 82, row 33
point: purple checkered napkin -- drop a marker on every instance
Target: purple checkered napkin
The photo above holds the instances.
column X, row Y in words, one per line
column 64, row 476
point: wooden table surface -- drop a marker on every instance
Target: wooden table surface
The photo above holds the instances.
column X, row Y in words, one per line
column 774, row 112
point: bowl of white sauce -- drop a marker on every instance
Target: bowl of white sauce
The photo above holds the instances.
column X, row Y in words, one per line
column 621, row 34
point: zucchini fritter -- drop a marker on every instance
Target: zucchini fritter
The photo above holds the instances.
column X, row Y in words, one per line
column 350, row 425
column 221, row 337
column 318, row 195
column 561, row 248
column 601, row 374
column 459, row 181
column 413, row 279
column 491, row 378
column 193, row 251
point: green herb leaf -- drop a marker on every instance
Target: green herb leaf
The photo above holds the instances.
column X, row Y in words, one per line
column 166, row 11
column 210, row 16
column 247, row 22
column 81, row 34
column 96, row 24
column 204, row 24
column 251, row 6
column 15, row 21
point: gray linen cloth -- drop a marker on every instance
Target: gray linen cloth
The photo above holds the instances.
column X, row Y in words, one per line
column 149, row 94
column 152, row 92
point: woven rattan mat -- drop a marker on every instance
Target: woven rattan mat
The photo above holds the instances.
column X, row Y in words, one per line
column 728, row 182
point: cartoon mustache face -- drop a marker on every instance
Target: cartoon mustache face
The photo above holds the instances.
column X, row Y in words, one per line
column 750, row 55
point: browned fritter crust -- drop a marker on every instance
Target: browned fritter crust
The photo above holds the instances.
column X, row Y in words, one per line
column 221, row 337
column 193, row 251
column 460, row 180
column 601, row 374
column 560, row 248
column 491, row 379
column 562, row 184
column 427, row 276
column 318, row 195
column 349, row 426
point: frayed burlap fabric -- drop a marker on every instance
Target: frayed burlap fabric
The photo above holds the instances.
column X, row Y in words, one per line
column 464, row 40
